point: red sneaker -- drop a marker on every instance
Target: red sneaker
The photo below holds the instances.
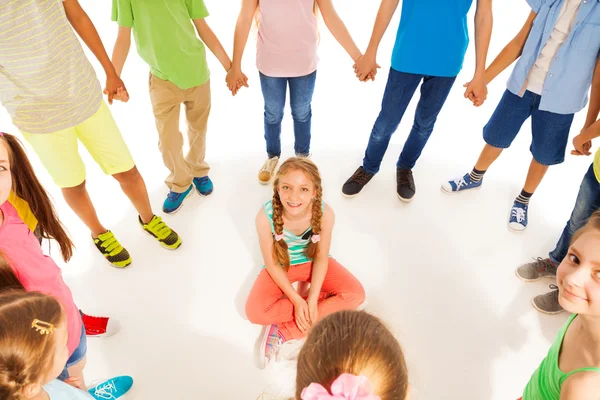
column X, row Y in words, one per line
column 100, row 326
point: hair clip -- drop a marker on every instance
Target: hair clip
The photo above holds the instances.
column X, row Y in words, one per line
column 278, row 237
column 1, row 133
column 44, row 328
column 315, row 238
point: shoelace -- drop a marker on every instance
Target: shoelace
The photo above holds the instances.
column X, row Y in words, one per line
column 544, row 265
column 361, row 176
column 173, row 195
column 519, row 214
column 106, row 391
column 554, row 292
column 269, row 165
column 460, row 183
column 405, row 177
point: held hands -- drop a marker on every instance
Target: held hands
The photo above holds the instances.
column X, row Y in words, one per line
column 366, row 67
column 581, row 144
column 476, row 91
column 115, row 89
column 235, row 79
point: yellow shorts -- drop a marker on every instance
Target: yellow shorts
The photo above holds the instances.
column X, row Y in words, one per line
column 100, row 135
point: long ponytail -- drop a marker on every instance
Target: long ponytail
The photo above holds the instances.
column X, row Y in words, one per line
column 26, row 185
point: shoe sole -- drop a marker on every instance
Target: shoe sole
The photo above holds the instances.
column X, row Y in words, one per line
column 405, row 200
column 533, row 280
column 515, row 230
column 544, row 311
column 265, row 183
column 460, row 191
column 349, row 196
column 180, row 205
column 261, row 349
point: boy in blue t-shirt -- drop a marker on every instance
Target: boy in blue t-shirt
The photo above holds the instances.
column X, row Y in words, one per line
column 430, row 48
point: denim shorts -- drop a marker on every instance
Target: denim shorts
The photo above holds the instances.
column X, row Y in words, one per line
column 77, row 355
column 550, row 131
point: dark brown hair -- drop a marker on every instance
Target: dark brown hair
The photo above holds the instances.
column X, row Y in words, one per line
column 592, row 224
column 280, row 248
column 26, row 185
column 25, row 354
column 357, row 343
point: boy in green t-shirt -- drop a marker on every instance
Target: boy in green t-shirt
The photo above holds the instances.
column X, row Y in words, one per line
column 165, row 38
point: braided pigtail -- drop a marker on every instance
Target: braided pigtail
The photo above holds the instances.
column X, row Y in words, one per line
column 312, row 250
column 280, row 247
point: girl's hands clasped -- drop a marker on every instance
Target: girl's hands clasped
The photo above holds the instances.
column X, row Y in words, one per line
column 302, row 314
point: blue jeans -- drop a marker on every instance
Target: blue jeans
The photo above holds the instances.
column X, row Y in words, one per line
column 77, row 355
column 399, row 90
column 301, row 93
column 550, row 131
column 588, row 201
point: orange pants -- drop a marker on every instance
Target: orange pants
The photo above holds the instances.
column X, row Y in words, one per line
column 268, row 305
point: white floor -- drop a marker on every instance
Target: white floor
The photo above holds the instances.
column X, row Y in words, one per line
column 440, row 270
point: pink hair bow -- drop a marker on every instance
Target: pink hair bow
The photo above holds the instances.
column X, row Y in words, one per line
column 315, row 238
column 346, row 387
column 278, row 237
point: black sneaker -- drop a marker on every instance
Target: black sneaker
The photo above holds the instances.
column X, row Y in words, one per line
column 354, row 185
column 405, row 184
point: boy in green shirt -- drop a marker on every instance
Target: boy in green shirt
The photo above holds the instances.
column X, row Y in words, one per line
column 165, row 38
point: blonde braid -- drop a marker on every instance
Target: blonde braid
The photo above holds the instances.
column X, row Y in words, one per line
column 280, row 247
column 312, row 250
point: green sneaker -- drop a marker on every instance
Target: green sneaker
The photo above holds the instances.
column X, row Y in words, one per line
column 112, row 250
column 167, row 237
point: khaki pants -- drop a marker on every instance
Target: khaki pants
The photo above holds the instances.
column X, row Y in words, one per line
column 166, row 99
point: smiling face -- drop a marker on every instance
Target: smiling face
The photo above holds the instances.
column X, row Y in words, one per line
column 578, row 276
column 5, row 176
column 296, row 191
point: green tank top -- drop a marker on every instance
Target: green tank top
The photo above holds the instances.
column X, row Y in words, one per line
column 546, row 382
column 297, row 244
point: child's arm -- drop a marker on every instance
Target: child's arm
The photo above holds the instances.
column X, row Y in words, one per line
column 338, row 29
column 591, row 130
column 212, row 42
column 277, row 273
column 476, row 90
column 368, row 62
column 235, row 77
column 84, row 27
column 511, row 52
column 321, row 262
column 121, row 50
column 581, row 386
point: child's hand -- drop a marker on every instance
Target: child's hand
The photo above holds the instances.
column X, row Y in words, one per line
column 476, row 91
column 113, row 85
column 302, row 314
column 76, row 383
column 235, row 80
column 313, row 310
column 366, row 67
column 581, row 144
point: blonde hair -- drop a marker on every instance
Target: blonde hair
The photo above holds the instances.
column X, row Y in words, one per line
column 25, row 354
column 357, row 343
column 280, row 248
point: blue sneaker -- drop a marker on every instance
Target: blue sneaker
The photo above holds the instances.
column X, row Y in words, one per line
column 174, row 200
column 112, row 389
column 518, row 217
column 461, row 184
column 204, row 185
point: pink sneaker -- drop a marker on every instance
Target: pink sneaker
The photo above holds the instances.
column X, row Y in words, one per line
column 270, row 344
column 100, row 326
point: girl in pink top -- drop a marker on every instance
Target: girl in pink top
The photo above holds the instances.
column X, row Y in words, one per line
column 286, row 55
column 33, row 270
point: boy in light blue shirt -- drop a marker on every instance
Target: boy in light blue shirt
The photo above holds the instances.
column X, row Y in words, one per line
column 558, row 49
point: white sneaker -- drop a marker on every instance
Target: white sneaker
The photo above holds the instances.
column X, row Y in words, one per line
column 268, row 170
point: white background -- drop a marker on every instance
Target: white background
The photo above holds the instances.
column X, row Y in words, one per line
column 439, row 271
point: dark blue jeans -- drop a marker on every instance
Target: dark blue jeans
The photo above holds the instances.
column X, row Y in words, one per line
column 399, row 91
column 301, row 93
column 588, row 201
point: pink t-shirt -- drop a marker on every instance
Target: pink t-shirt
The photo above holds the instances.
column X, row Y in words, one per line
column 287, row 38
column 36, row 271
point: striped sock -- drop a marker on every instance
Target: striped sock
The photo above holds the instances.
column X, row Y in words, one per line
column 524, row 197
column 476, row 175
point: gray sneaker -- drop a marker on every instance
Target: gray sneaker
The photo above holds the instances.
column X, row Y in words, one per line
column 540, row 268
column 548, row 303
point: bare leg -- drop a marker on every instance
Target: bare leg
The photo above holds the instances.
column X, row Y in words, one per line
column 488, row 155
column 79, row 200
column 76, row 371
column 534, row 176
column 134, row 187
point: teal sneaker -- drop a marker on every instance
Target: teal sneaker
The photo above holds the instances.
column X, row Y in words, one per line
column 204, row 185
column 112, row 389
column 174, row 200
